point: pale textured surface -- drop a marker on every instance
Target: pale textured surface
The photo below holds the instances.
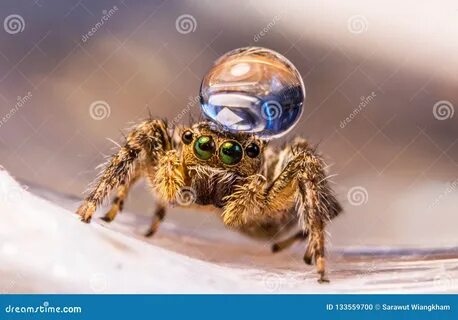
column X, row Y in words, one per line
column 45, row 248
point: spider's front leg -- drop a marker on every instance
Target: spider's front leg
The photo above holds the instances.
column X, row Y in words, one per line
column 303, row 181
column 146, row 142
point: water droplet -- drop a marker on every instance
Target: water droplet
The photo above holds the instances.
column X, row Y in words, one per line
column 253, row 90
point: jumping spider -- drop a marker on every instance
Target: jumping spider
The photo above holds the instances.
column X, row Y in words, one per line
column 262, row 191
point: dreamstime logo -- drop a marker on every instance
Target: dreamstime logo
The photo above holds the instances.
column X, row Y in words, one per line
column 444, row 280
column 12, row 195
column 98, row 282
column 452, row 187
column 12, row 283
column 45, row 307
column 21, row 101
column 443, row 110
column 357, row 196
column 185, row 24
column 272, row 282
column 107, row 14
column 271, row 110
column 186, row 196
column 192, row 102
column 13, row 24
column 266, row 29
column 365, row 101
column 367, row 271
column 357, row 24
column 99, row 110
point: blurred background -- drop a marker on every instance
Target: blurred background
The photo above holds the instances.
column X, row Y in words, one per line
column 381, row 81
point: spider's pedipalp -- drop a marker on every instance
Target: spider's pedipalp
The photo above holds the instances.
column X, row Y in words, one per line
column 168, row 177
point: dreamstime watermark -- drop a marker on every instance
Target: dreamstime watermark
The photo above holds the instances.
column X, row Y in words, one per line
column 274, row 282
column 357, row 24
column 99, row 110
column 444, row 280
column 365, row 101
column 107, row 14
column 185, row 24
column 357, row 196
column 451, row 188
column 12, row 194
column 98, row 282
column 45, row 307
column 443, row 110
column 12, row 283
column 14, row 24
column 367, row 271
column 21, row 101
column 271, row 110
column 186, row 196
column 266, row 29
column 191, row 103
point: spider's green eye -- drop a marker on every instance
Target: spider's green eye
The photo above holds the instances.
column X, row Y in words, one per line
column 204, row 147
column 187, row 137
column 230, row 152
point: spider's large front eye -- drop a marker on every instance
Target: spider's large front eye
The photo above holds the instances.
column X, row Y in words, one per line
column 204, row 148
column 230, row 152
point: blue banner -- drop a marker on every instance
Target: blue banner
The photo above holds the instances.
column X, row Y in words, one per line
column 228, row 306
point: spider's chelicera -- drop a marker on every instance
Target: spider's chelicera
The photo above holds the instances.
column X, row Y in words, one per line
column 261, row 191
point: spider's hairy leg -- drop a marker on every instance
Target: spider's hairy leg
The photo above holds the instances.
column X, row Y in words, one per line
column 316, row 245
column 159, row 215
column 303, row 181
column 288, row 242
column 148, row 140
column 121, row 195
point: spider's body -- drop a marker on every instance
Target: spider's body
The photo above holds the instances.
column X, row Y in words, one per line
column 261, row 191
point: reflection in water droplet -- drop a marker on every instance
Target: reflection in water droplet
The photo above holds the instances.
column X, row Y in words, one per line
column 240, row 69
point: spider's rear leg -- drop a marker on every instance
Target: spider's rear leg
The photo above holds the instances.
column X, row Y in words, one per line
column 159, row 215
column 118, row 201
column 316, row 249
column 284, row 244
column 150, row 139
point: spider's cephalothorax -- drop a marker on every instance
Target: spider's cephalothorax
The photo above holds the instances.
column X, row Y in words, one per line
column 261, row 191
